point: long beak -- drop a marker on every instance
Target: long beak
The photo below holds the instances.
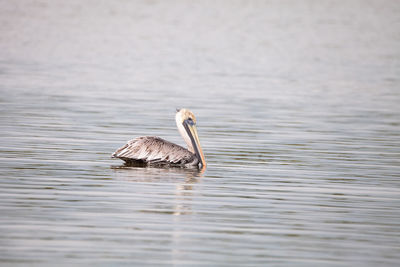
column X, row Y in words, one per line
column 192, row 132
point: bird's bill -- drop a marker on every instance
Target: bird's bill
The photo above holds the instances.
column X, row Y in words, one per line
column 192, row 132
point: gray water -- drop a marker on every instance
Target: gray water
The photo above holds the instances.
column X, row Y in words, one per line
column 297, row 104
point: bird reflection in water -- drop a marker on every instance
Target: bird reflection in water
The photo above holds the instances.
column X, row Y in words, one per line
column 183, row 179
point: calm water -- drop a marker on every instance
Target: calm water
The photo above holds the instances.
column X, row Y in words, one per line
column 298, row 107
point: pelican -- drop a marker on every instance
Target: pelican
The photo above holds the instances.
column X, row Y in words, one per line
column 155, row 151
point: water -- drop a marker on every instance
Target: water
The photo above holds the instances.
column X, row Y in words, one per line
column 298, row 113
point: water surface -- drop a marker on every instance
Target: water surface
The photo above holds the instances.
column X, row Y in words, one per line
column 298, row 113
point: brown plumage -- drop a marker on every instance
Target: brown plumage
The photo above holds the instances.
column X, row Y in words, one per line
column 155, row 151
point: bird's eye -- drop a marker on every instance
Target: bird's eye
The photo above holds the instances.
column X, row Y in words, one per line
column 190, row 121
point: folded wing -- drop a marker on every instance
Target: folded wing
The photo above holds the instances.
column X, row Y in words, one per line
column 154, row 150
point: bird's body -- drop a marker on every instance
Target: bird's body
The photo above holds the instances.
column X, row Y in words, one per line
column 155, row 151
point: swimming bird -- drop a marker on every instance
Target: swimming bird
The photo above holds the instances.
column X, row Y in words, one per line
column 155, row 151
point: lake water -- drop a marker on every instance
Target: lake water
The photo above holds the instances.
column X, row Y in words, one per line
column 298, row 107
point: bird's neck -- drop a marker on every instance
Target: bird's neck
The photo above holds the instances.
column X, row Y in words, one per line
column 185, row 136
